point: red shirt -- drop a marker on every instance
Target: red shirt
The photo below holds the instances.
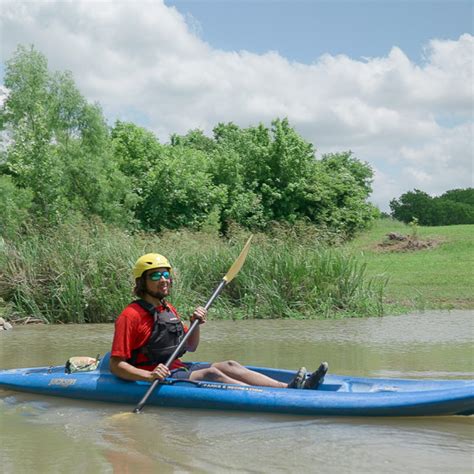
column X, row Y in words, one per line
column 133, row 328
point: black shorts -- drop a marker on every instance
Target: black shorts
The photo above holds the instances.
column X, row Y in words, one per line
column 183, row 373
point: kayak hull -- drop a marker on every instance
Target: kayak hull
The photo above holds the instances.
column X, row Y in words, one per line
column 338, row 395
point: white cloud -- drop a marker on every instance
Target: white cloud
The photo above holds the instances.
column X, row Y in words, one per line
column 412, row 123
column 3, row 94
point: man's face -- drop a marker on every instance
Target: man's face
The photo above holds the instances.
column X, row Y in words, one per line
column 158, row 282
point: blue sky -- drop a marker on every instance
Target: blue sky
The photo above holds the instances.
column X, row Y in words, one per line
column 304, row 30
column 389, row 80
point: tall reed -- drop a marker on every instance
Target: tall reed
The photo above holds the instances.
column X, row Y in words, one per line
column 80, row 273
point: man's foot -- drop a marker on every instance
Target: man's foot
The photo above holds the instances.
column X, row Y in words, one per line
column 299, row 379
column 317, row 377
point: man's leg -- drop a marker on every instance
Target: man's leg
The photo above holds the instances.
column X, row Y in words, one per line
column 213, row 374
column 244, row 376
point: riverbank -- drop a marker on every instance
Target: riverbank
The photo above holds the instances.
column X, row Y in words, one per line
column 81, row 273
column 439, row 276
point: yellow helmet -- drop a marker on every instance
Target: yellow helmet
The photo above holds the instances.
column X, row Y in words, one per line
column 149, row 261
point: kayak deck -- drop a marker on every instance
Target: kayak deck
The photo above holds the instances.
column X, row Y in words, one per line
column 338, row 395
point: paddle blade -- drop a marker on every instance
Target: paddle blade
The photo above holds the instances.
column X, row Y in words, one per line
column 235, row 268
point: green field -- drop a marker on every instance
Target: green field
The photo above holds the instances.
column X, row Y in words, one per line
column 439, row 277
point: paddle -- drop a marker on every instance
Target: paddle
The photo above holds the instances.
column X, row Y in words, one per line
column 230, row 275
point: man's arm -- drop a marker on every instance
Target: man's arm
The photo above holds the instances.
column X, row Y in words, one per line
column 193, row 342
column 121, row 368
column 200, row 314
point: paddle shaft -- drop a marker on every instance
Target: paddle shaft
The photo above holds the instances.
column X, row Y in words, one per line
column 173, row 356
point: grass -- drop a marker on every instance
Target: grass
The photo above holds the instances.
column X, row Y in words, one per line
column 436, row 278
column 82, row 273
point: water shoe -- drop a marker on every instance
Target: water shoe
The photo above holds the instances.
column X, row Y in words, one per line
column 299, row 379
column 317, row 377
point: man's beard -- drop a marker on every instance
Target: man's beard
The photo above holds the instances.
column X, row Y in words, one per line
column 156, row 294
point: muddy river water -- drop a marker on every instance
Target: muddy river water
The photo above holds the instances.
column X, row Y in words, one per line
column 41, row 434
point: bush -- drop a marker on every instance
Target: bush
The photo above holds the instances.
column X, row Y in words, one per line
column 81, row 272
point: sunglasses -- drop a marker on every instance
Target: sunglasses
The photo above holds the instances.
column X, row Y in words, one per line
column 156, row 276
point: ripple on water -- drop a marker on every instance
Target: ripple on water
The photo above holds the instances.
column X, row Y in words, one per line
column 41, row 434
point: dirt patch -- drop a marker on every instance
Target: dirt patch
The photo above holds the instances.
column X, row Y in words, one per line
column 395, row 242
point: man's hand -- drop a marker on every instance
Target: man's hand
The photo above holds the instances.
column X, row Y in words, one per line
column 200, row 314
column 160, row 372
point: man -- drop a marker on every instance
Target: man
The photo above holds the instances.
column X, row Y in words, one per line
column 149, row 330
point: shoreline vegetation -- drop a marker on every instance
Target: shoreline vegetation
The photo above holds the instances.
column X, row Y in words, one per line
column 80, row 273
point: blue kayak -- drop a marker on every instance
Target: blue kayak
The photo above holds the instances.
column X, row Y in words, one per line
column 338, row 395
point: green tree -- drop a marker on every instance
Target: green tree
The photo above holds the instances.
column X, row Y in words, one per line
column 136, row 151
column 334, row 203
column 413, row 204
column 338, row 192
column 453, row 207
column 465, row 196
column 229, row 167
column 59, row 145
column 178, row 191
column 25, row 117
column 271, row 174
column 345, row 162
column 288, row 161
column 194, row 139
column 28, row 102
column 447, row 212
column 264, row 170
